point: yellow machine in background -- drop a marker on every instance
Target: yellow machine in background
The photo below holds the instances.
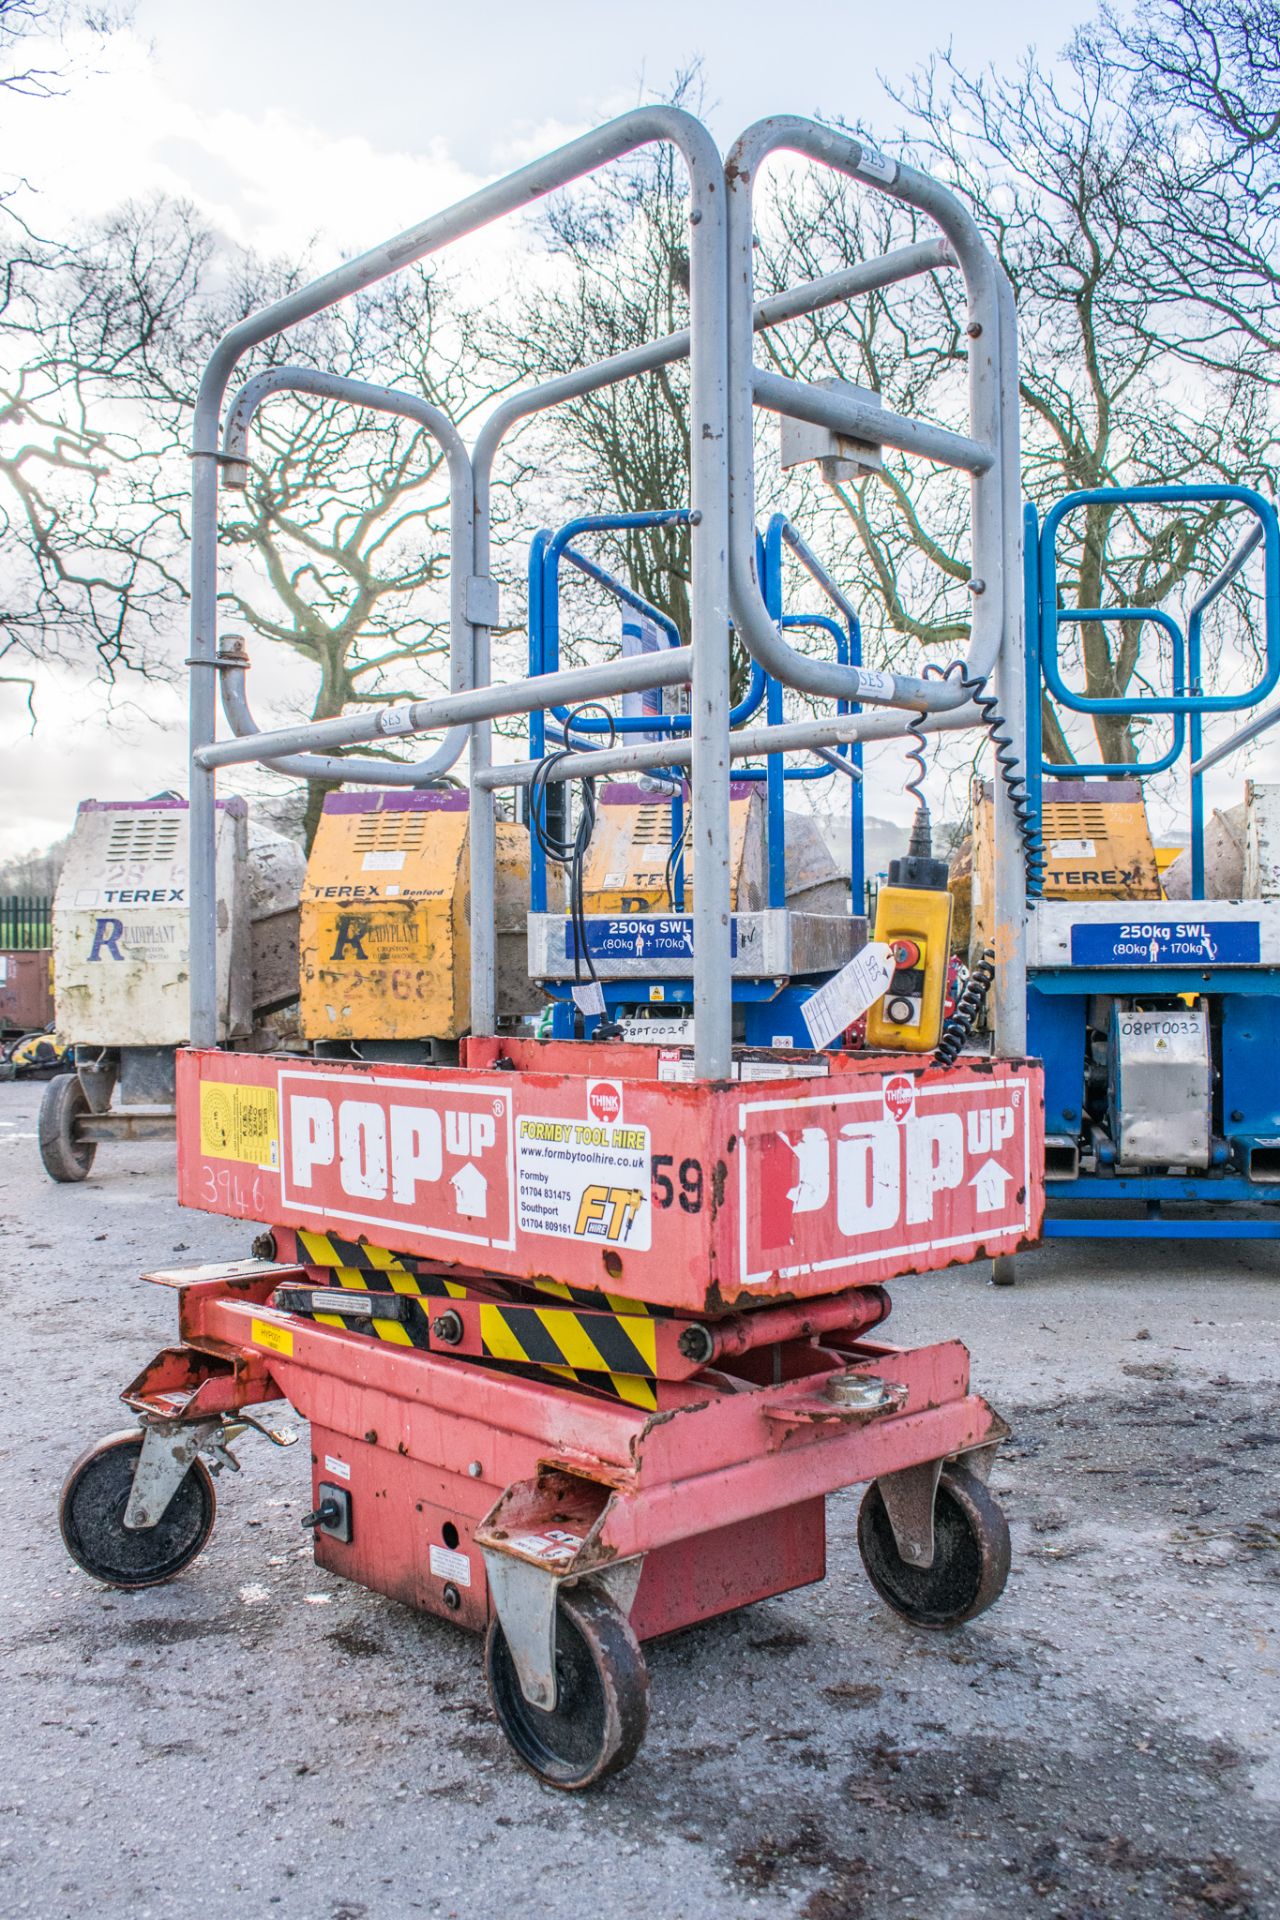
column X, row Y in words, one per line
column 1097, row 846
column 385, row 936
column 626, row 869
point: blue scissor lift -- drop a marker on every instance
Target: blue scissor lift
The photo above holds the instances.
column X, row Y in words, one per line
column 643, row 960
column 1158, row 1020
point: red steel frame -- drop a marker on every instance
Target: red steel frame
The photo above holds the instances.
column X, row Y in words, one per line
column 696, row 1196
column 719, row 1495
column 724, row 1495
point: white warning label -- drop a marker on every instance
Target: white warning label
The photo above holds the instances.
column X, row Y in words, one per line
column 583, row 1180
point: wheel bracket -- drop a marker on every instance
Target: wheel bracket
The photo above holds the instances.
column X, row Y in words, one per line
column 524, row 1598
column 909, row 1496
column 168, row 1450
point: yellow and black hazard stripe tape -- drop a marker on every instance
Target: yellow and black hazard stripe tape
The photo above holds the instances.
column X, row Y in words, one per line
column 596, row 1297
column 621, row 1349
column 331, row 1250
column 614, row 1355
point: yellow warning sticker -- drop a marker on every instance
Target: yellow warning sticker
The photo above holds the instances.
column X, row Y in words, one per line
column 278, row 1339
column 239, row 1123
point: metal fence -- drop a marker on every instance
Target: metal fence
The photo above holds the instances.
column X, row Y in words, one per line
column 26, row 921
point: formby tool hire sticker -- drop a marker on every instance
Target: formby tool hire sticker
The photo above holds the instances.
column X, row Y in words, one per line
column 586, row 1179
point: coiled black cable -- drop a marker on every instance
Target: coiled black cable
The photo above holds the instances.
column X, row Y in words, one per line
column 916, row 733
column 1015, row 780
column 563, row 850
column 965, row 1018
column 677, row 850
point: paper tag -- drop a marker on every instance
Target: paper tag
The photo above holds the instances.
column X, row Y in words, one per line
column 383, row 862
column 448, row 1564
column 396, row 720
column 874, row 685
column 848, row 993
column 338, row 1468
column 589, row 997
column 876, row 165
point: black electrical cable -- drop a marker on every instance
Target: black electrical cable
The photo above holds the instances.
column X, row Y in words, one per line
column 674, row 855
column 1015, row 780
column 965, row 1018
column 916, row 733
column 566, row 852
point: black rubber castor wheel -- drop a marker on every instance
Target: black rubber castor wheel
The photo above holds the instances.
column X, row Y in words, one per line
column 602, row 1695
column 65, row 1158
column 970, row 1554
column 91, row 1515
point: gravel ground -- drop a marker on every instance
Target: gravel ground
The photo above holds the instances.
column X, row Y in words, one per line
column 260, row 1737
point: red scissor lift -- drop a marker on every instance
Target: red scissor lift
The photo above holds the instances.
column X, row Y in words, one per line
column 582, row 1347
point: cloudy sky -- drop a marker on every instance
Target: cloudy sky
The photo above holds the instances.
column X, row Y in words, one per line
column 328, row 126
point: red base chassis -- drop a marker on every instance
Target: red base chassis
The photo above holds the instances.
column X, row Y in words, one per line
column 466, row 1484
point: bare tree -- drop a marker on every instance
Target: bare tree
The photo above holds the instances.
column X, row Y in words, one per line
column 618, row 277
column 1053, row 171
column 83, row 554
column 338, row 549
column 345, row 522
column 1206, row 73
column 88, row 540
column 45, row 22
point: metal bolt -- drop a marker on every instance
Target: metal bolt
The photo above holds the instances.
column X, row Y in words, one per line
column 696, row 1344
column 451, row 1597
column 474, row 1469
column 974, row 329
column 862, row 1392
column 447, row 1328
column 977, row 586
column 695, row 218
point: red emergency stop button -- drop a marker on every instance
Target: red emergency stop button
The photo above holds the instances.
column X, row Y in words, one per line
column 906, row 953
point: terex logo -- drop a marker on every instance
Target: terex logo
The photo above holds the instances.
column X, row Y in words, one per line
column 604, row 1099
column 899, row 1096
column 385, row 1152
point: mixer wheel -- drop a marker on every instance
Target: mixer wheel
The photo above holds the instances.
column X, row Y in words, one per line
column 65, row 1158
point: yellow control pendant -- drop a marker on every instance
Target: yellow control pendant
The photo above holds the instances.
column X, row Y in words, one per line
column 916, row 923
